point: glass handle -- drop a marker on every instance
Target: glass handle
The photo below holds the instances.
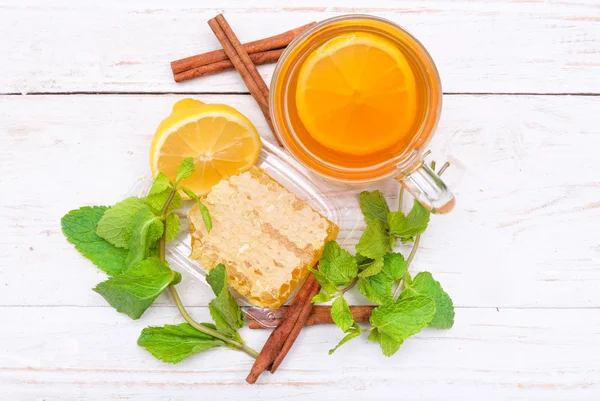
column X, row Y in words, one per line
column 428, row 188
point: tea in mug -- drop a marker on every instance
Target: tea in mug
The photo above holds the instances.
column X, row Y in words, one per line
column 357, row 95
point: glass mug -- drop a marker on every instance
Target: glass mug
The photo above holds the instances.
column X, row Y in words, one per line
column 398, row 146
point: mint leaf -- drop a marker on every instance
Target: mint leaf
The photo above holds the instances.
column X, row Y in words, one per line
column 362, row 260
column 172, row 226
column 115, row 224
column 406, row 240
column 337, row 264
column 418, row 218
column 157, row 201
column 397, row 222
column 190, row 194
column 353, row 332
column 135, row 290
column 159, row 194
column 203, row 209
column 413, row 224
column 146, row 230
column 341, row 315
column 226, row 314
column 224, row 310
column 373, row 206
column 389, row 346
column 79, row 227
column 205, row 216
column 217, row 278
column 186, row 169
column 372, row 268
column 394, row 266
column 424, row 284
column 374, row 242
column 174, row 343
column 378, row 276
column 402, row 319
column 161, row 184
column 326, row 284
column 377, row 288
column 321, row 297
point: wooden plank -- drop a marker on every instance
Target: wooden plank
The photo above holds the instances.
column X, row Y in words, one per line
column 492, row 46
column 91, row 353
column 524, row 172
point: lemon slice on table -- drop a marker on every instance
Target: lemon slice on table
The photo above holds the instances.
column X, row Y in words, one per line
column 356, row 93
column 222, row 141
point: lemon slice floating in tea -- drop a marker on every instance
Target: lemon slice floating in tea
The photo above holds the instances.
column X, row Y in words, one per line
column 356, row 94
column 222, row 141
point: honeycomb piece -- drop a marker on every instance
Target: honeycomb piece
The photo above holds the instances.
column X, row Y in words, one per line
column 264, row 235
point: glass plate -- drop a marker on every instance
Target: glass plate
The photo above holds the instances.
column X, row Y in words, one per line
column 330, row 199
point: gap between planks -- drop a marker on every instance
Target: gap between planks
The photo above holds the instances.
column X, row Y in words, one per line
column 100, row 93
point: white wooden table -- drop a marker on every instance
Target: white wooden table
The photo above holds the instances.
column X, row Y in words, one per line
column 83, row 86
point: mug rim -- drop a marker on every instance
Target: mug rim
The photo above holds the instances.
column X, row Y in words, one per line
column 399, row 164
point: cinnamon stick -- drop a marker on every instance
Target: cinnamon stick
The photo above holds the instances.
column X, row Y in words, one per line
column 242, row 62
column 275, row 342
column 243, row 54
column 258, row 46
column 320, row 314
column 266, row 57
column 240, row 66
column 289, row 341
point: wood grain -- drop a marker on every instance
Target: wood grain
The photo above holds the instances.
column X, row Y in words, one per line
column 532, row 355
column 519, row 255
column 479, row 46
column 524, row 173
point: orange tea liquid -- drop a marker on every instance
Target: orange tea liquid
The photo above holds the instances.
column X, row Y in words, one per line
column 354, row 96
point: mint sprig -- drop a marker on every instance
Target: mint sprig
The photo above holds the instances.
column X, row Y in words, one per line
column 402, row 312
column 128, row 242
column 224, row 310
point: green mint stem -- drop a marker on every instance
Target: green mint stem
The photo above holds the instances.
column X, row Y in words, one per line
column 162, row 245
column 413, row 251
column 206, row 330
column 411, row 256
column 168, row 202
column 400, row 197
column 350, row 286
column 161, row 248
